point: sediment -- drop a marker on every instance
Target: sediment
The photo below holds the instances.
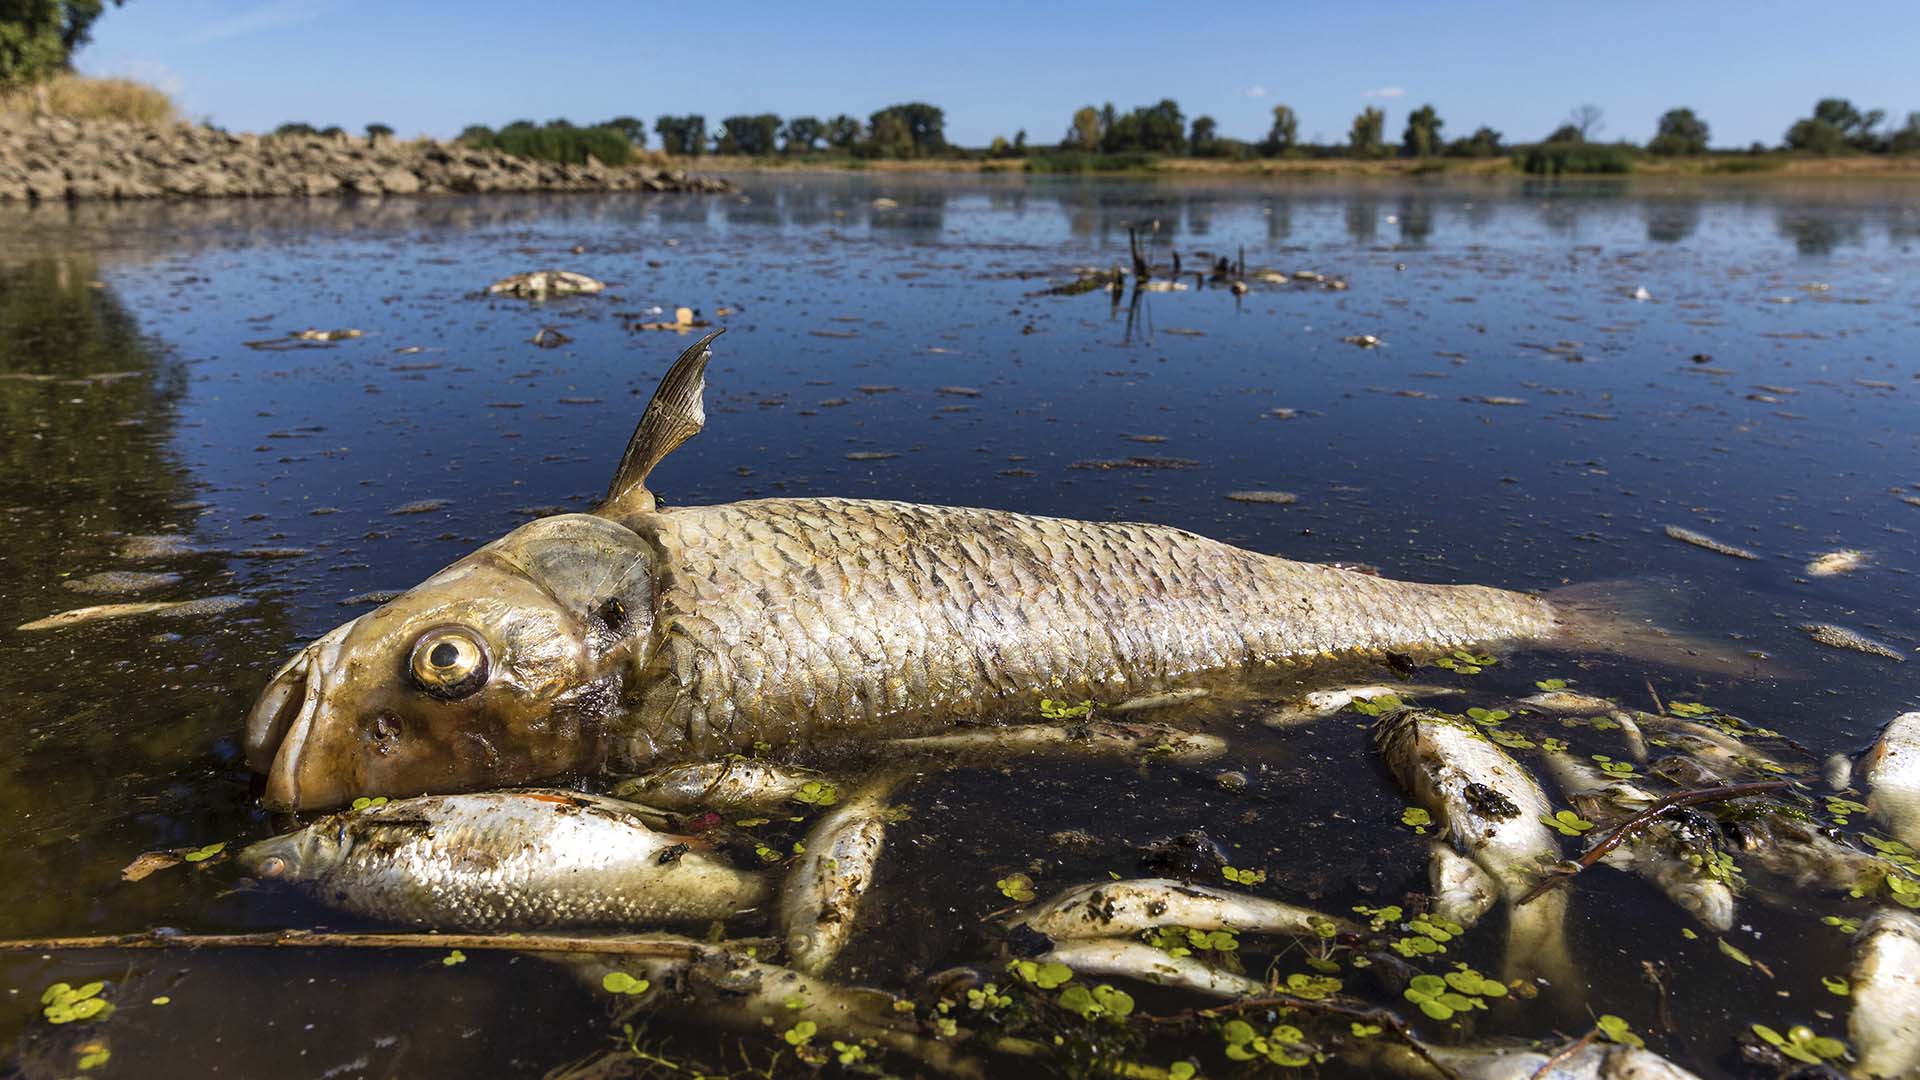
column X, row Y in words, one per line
column 50, row 159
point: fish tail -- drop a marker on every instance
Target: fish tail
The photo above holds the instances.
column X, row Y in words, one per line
column 1624, row 618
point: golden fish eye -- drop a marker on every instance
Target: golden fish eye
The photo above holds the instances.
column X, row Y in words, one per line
column 449, row 663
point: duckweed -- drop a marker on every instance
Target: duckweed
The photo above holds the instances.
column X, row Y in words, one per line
column 817, row 793
column 365, row 803
column 1243, row 877
column 801, row 1033
column 1836, row 985
column 454, row 957
column 1417, row 819
column 619, row 982
column 1060, row 710
column 1016, row 887
column 1801, row 1044
column 64, row 1003
column 1613, row 1029
column 1462, row 662
column 1103, row 1002
column 1045, row 976
column 1567, row 823
column 1284, row 1044
column 202, row 854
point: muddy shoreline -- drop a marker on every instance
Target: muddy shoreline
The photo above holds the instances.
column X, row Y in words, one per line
column 57, row 160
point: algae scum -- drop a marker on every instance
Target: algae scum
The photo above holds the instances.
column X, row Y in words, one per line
column 1553, row 385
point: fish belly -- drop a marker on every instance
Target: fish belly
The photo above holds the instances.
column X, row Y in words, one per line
column 783, row 618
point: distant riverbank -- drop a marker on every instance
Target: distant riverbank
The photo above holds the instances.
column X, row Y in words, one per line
column 1879, row 166
column 49, row 159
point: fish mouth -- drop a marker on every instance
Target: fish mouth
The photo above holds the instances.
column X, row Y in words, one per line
column 283, row 720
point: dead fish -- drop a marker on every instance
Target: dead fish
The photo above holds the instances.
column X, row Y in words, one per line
column 325, row 335
column 1128, row 959
column 1792, row 850
column 1127, row 908
column 1494, row 813
column 172, row 608
column 1885, row 979
column 736, row 782
column 1150, row 702
column 1844, row 561
column 1462, row 892
column 636, row 636
column 1675, row 854
column 1700, row 540
column 1159, row 741
column 1839, row 637
column 543, row 283
column 509, row 860
column 1890, row 775
column 158, row 546
column 1272, row 498
column 821, row 897
column 1320, row 704
column 1587, row 1061
column 1365, row 341
column 121, row 582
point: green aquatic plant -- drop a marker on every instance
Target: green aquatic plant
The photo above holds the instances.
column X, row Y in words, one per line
column 1429, row 936
column 1182, row 1070
column 1841, row 809
column 202, row 854
column 1436, row 999
column 1488, row 717
column 1836, row 985
column 801, row 1033
column 987, row 998
column 1510, row 739
column 1243, row 877
column 1612, row 767
column 1841, row 923
column 619, row 982
column 1016, row 887
column 1060, row 710
column 1311, row 987
column 767, row 854
column 1801, row 1044
column 1616, row 1030
column 1283, row 1044
column 1378, row 705
column 91, row 1055
column 1102, row 1002
column 1567, row 823
column 453, row 958
column 1553, row 746
column 817, row 793
column 1462, row 662
column 366, row 803
column 1379, row 918
column 64, row 1003
column 1046, row 975
column 848, row 1053
column 1184, row 941
column 1551, row 685
column 1691, row 710
column 1734, row 953
column 1416, row 818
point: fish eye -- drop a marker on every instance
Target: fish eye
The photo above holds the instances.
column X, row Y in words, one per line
column 272, row 866
column 449, row 663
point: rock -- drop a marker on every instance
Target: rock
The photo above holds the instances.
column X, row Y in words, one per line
column 400, row 182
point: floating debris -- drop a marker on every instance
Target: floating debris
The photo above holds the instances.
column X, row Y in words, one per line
column 1107, row 464
column 327, row 335
column 1844, row 561
column 1274, row 498
column 1365, row 341
column 423, row 506
column 1839, row 637
column 121, row 582
column 871, row 455
column 549, row 338
column 1162, row 286
column 158, row 546
column 377, row 596
column 1494, row 399
column 1640, row 293
column 99, row 612
column 1688, row 536
column 684, row 318
column 538, row 284
column 958, row 391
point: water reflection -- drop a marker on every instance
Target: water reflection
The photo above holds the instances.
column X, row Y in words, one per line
column 1669, row 221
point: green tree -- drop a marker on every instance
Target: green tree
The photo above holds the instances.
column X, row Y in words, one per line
column 842, row 132
column 1020, row 143
column 1680, row 132
column 1834, row 126
column 1907, row 139
column 1159, row 129
column 1365, row 140
column 1284, row 134
column 1203, row 139
column 376, row 131
column 683, row 135
column 1587, row 120
column 633, row 128
column 475, row 135
column 802, row 134
column 296, row 127
column 914, row 129
column 1422, row 137
column 1565, row 133
column 1084, row 134
column 38, row 37
column 1483, row 143
column 753, row 136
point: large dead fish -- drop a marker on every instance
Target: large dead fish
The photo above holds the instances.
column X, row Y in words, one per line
column 638, row 636
column 1885, row 1022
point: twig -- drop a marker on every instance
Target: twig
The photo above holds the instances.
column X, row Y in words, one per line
column 1572, row 1048
column 1640, row 821
column 1374, row 1014
column 1657, row 707
column 311, row 939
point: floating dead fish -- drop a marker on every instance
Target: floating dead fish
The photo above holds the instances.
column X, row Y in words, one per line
column 158, row 546
column 1462, row 892
column 1839, row 637
column 1365, row 341
column 100, row 612
column 1584, row 1060
column 1844, row 561
column 1890, row 775
column 1688, row 536
column 1273, row 498
column 1320, row 704
column 543, row 283
column 1126, row 959
column 326, row 335
column 549, row 338
column 1161, row 286
column 736, row 782
column 1494, row 813
column 1108, row 909
column 1149, row 702
column 637, row 636
column 121, row 582
column 820, row 900
column 1157, row 741
column 508, row 860
column 1885, row 989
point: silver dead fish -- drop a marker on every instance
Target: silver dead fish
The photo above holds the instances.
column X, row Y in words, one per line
column 821, row 896
column 510, row 860
column 639, row 636
column 1125, row 908
column 1890, row 773
column 1885, row 1022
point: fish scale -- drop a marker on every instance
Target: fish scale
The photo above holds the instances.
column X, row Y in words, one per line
column 872, row 615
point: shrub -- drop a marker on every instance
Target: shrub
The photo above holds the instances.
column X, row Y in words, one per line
column 77, row 97
column 1555, row 158
column 554, row 141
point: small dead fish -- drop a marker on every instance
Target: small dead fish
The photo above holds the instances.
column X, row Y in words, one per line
column 1442, row 764
column 549, row 338
column 1365, row 341
column 1844, row 561
column 509, row 860
column 542, row 283
column 1890, row 775
column 1320, row 704
column 1271, row 498
column 1127, row 959
column 1126, row 908
column 1885, row 1022
column 1462, row 892
column 1700, row 540
column 1591, row 1061
column 737, row 782
column 1839, row 637
column 99, row 612
column 325, row 335
column 121, row 582
column 821, row 897
column 1804, row 857
column 1160, row 741
column 1149, row 702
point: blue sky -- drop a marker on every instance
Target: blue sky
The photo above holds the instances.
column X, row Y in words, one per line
column 1749, row 69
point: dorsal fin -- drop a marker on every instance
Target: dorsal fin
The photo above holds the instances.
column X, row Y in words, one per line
column 672, row 417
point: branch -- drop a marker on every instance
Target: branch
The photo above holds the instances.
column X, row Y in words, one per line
column 1640, row 821
column 311, row 939
column 1572, row 1048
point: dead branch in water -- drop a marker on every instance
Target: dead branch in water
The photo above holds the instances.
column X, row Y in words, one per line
column 1142, row 269
column 1640, row 821
column 1572, row 1048
column 320, row 939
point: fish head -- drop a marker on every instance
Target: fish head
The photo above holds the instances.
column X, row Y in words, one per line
column 302, row 855
column 500, row 669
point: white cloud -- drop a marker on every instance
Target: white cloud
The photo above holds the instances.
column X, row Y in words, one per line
column 1386, row 92
column 267, row 16
column 1256, row 91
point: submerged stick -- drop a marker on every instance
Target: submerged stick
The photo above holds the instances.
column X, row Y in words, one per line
column 321, row 939
column 1640, row 821
column 1546, row 1067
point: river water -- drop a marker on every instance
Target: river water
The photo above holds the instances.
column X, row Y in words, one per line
column 1563, row 371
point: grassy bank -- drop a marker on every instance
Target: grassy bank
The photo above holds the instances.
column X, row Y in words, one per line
column 76, row 97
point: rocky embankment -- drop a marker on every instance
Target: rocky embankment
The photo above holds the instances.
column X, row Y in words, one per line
column 50, row 159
